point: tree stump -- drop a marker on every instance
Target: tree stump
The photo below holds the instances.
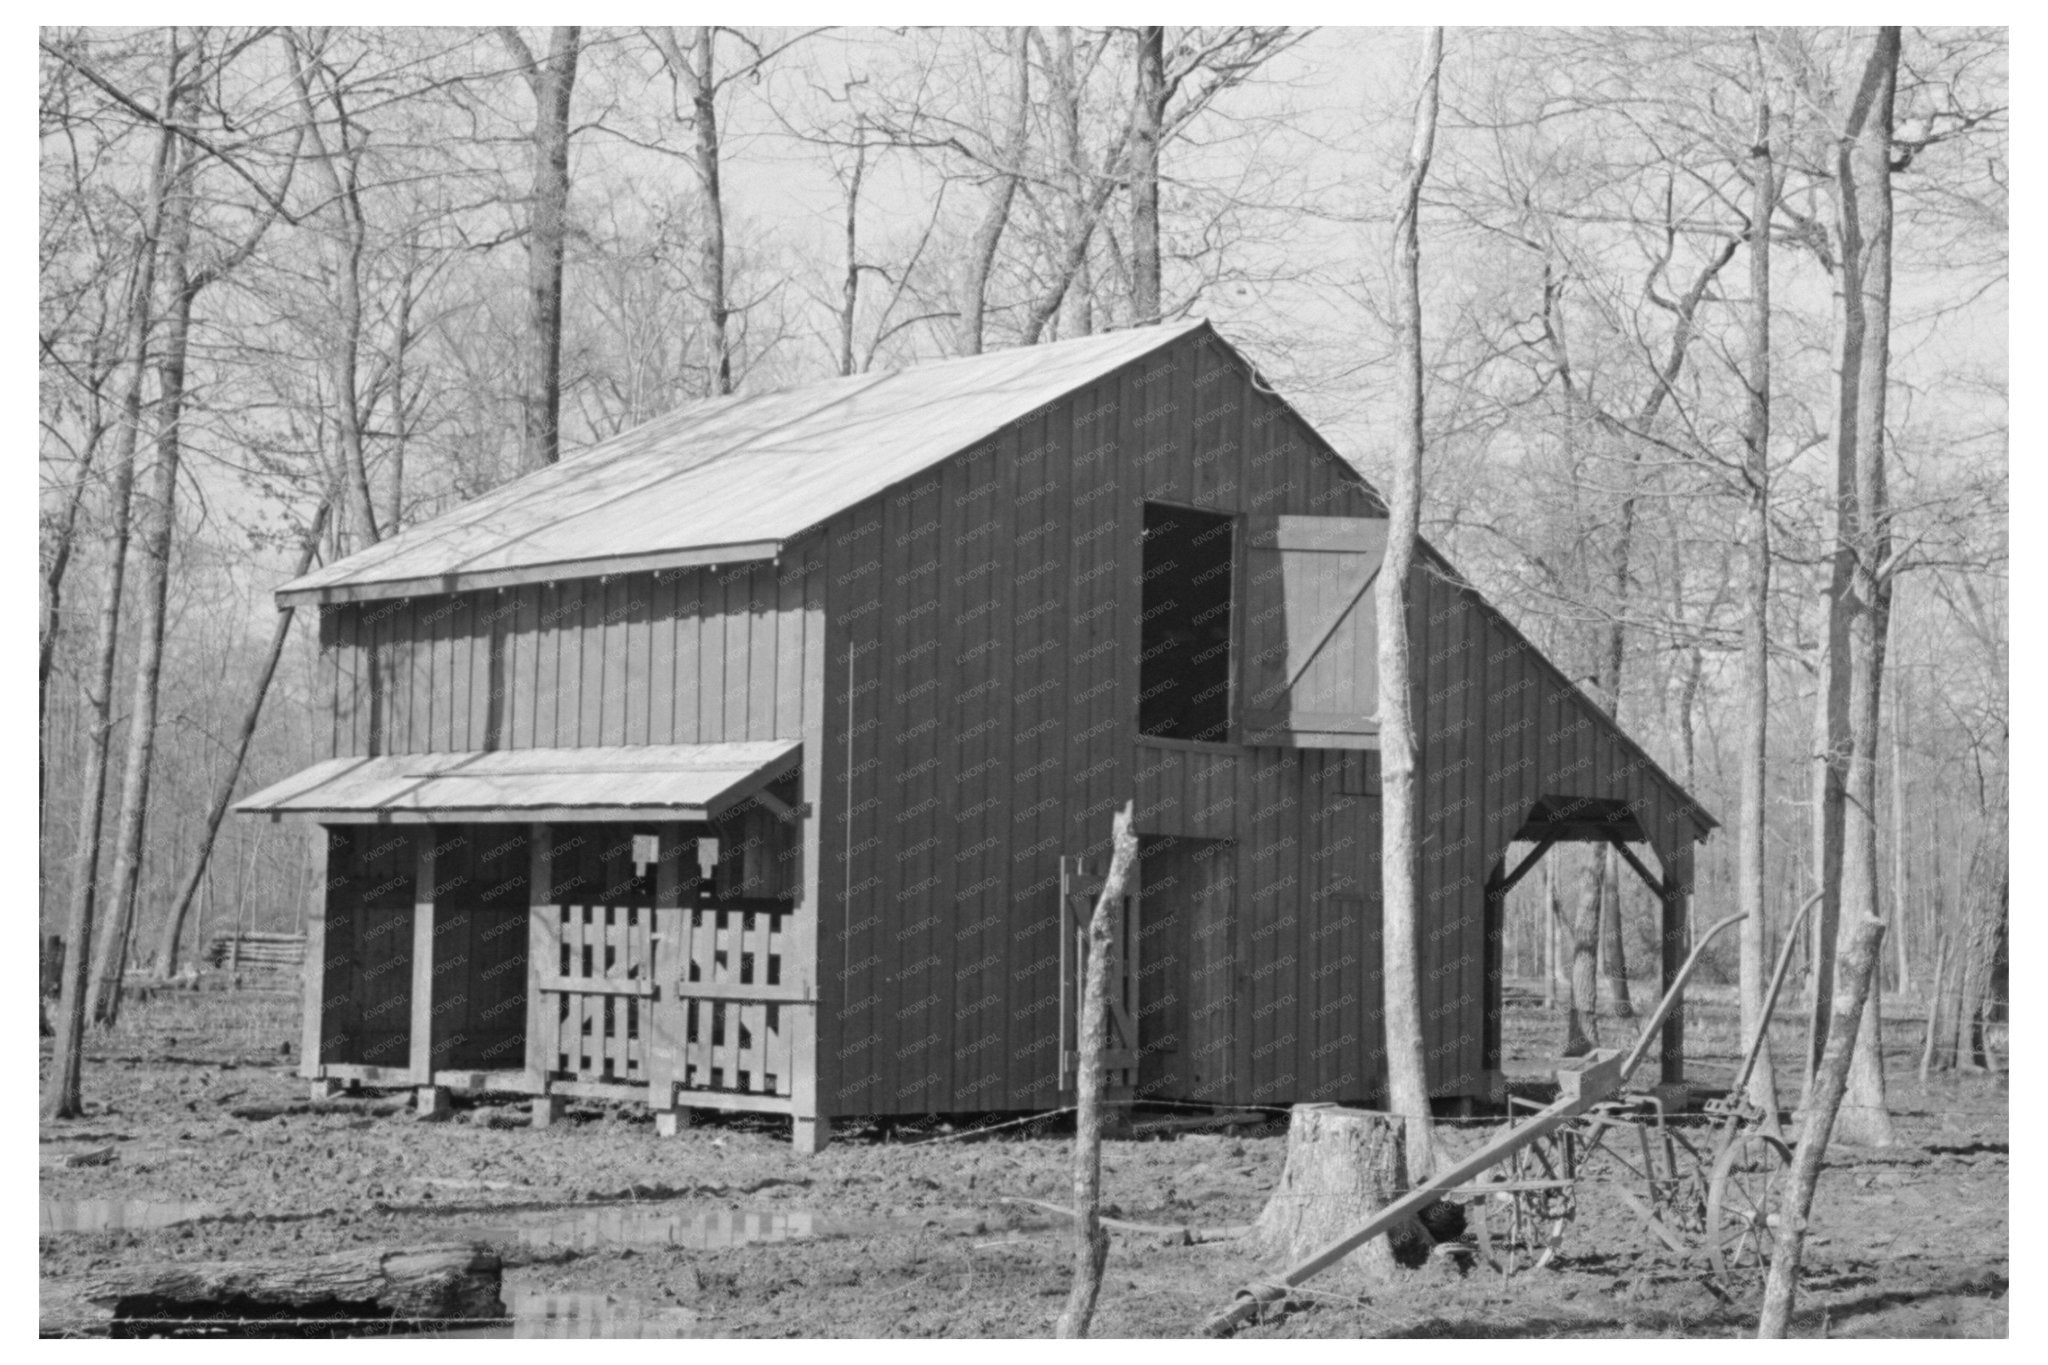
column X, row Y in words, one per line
column 1343, row 1166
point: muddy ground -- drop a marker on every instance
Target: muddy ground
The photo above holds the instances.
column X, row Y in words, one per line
column 906, row 1232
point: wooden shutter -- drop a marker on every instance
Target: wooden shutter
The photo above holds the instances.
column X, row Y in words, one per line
column 1311, row 631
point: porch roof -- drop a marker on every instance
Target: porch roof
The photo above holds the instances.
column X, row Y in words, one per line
column 627, row 782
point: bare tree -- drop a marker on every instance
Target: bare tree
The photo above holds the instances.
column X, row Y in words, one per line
column 157, row 518
column 1148, row 117
column 1400, row 847
column 1864, row 189
column 1756, row 635
column 338, row 168
column 552, row 82
column 62, row 1099
column 694, row 71
column 1011, row 145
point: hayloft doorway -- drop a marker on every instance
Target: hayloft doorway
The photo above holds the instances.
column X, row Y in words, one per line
column 1184, row 632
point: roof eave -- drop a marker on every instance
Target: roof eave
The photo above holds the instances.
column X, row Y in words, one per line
column 357, row 590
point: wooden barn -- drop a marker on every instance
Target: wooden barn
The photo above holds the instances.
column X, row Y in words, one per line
column 760, row 757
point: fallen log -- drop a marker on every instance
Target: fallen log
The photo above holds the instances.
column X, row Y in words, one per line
column 1184, row 1232
column 309, row 1296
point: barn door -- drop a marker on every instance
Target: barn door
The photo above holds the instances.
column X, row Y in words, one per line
column 1311, row 631
column 1079, row 888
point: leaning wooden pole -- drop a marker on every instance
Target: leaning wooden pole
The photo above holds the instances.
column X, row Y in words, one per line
column 1091, row 1240
column 1854, row 970
column 174, row 923
column 1602, row 1074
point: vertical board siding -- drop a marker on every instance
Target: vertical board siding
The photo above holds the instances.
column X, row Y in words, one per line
column 583, row 663
column 963, row 645
column 1276, row 945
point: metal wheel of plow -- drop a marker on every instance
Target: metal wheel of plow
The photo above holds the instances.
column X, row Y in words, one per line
column 1750, row 1183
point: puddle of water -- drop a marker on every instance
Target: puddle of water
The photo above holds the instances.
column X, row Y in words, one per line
column 121, row 1215
column 696, row 1229
column 537, row 1316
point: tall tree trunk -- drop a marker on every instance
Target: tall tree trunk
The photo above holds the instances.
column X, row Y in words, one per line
column 1400, row 824
column 1553, row 915
column 1581, row 1027
column 553, row 84
column 52, row 623
column 1077, row 298
column 158, row 519
column 1613, row 948
column 174, row 923
column 62, row 1099
column 1984, row 909
column 988, row 235
column 1832, row 691
column 401, row 348
column 1754, row 966
column 703, row 92
column 1865, row 187
column 336, row 169
column 849, row 287
column 1901, row 885
column 1150, row 112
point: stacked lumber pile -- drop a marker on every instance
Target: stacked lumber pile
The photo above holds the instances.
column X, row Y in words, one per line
column 249, row 951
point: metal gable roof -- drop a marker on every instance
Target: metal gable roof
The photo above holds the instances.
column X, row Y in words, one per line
column 725, row 479
column 672, row 781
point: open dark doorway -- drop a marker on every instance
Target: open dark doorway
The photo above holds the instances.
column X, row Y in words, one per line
column 1184, row 634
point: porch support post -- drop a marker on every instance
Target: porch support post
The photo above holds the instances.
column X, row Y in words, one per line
column 543, row 953
column 313, row 971
column 667, row 1026
column 1677, row 895
column 810, row 1107
column 422, row 1059
column 1493, row 932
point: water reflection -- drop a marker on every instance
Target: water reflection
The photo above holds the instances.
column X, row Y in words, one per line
column 121, row 1215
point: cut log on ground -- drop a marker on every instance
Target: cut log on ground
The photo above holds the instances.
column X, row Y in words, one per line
column 452, row 1282
column 1343, row 1166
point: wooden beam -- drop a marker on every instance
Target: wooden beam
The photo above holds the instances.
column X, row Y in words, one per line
column 594, row 985
column 668, row 1017
column 794, row 993
column 1524, row 867
column 809, row 1102
column 313, row 970
column 543, row 956
column 1677, row 892
column 1655, row 883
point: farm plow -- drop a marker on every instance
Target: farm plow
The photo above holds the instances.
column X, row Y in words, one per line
column 1707, row 1188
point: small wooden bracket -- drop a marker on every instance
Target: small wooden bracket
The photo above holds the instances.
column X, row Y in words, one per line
column 781, row 809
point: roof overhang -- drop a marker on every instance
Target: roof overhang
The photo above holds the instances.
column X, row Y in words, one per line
column 356, row 590
column 521, row 786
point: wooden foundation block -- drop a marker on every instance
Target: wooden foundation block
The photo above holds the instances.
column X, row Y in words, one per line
column 433, row 1102
column 326, row 1088
column 670, row 1122
column 811, row 1136
column 548, row 1110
